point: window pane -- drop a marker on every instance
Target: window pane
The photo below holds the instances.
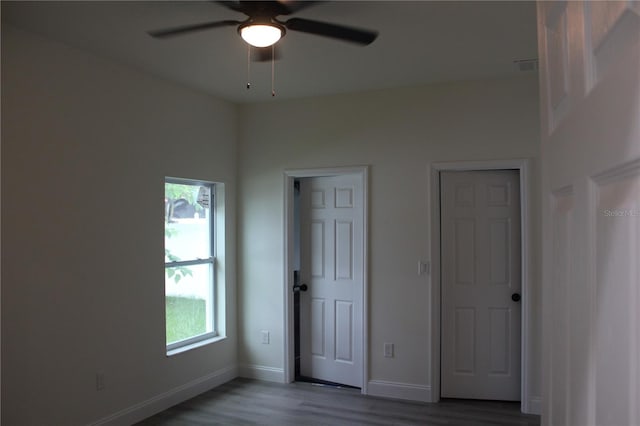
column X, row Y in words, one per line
column 187, row 234
column 189, row 301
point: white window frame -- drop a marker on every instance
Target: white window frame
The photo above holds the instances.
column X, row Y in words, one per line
column 211, row 261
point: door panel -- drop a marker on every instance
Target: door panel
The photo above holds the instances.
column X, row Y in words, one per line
column 344, row 331
column 617, row 257
column 316, row 253
column 344, row 250
column 317, row 331
column 465, row 341
column 465, row 265
column 499, row 251
column 499, row 340
column 590, row 103
column 480, row 215
column 332, row 218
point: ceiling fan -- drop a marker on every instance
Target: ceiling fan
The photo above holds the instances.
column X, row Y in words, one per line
column 262, row 28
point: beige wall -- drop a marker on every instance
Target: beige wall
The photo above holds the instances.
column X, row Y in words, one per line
column 85, row 147
column 398, row 133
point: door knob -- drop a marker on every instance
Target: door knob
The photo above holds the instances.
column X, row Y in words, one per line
column 298, row 288
column 515, row 297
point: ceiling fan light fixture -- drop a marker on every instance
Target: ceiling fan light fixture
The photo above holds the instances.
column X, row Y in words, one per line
column 261, row 34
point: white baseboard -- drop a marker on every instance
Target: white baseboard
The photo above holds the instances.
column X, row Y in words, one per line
column 261, row 372
column 535, row 405
column 397, row 390
column 161, row 402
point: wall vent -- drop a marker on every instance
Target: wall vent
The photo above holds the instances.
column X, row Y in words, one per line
column 526, row 65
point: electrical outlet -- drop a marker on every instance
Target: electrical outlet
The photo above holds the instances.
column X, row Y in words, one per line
column 265, row 337
column 388, row 350
column 424, row 267
column 99, row 381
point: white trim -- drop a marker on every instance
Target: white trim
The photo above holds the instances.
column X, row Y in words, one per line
column 161, row 402
column 194, row 345
column 523, row 166
column 211, row 305
column 262, row 372
column 406, row 391
column 535, row 405
column 289, row 176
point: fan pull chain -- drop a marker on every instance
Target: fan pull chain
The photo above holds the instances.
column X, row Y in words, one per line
column 273, row 68
column 248, row 66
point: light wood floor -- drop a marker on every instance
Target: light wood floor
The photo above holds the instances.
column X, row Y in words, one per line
column 245, row 401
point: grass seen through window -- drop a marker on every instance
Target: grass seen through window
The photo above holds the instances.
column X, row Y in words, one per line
column 186, row 318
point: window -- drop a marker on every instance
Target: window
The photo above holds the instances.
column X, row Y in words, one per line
column 189, row 251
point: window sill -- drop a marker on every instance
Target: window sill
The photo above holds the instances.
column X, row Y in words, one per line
column 195, row 345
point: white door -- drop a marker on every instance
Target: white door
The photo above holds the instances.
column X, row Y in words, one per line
column 331, row 233
column 590, row 113
column 481, row 284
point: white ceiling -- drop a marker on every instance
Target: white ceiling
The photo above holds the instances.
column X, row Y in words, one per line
column 420, row 42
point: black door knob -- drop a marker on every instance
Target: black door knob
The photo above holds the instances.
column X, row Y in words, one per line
column 298, row 288
column 515, row 297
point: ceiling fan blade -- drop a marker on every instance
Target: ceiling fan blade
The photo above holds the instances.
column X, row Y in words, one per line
column 175, row 31
column 230, row 4
column 253, row 8
column 267, row 7
column 293, row 6
column 340, row 32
